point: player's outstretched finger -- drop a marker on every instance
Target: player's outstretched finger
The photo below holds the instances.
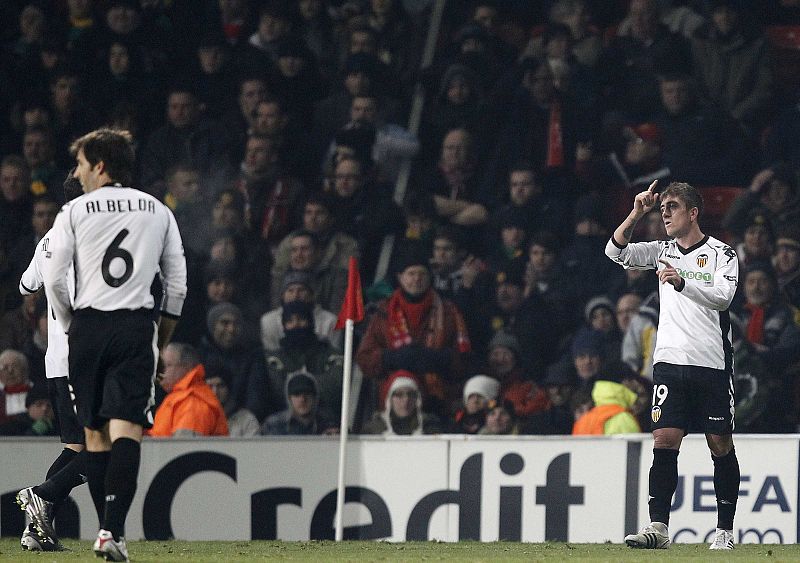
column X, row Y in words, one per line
column 652, row 186
column 667, row 264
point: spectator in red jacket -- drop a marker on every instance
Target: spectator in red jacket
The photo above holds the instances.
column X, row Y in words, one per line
column 416, row 330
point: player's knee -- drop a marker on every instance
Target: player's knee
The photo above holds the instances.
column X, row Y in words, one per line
column 667, row 438
column 719, row 445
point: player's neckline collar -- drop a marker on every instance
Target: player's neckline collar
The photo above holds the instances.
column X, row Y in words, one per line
column 114, row 185
column 694, row 247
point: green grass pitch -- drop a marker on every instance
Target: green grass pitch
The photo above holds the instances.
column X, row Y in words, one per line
column 317, row 551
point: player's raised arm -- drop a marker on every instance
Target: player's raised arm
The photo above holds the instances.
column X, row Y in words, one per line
column 640, row 255
column 643, row 203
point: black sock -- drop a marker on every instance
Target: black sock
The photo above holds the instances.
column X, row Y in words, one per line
column 123, row 468
column 60, row 482
column 663, row 481
column 58, row 464
column 726, row 487
column 96, row 464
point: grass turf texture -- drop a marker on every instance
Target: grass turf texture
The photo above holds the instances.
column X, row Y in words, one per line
column 218, row 551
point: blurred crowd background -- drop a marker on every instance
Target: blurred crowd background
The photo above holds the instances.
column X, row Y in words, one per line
column 477, row 181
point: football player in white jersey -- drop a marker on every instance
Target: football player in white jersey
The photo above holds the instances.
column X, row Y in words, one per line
column 693, row 357
column 117, row 239
column 68, row 469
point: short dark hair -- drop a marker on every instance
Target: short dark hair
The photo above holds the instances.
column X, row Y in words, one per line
column 524, row 166
column 555, row 30
column 687, row 193
column 447, row 232
column 546, row 240
column 15, row 161
column 180, row 167
column 311, row 236
column 113, row 147
column 321, row 199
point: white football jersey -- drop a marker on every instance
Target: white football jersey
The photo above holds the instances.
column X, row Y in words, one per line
column 118, row 239
column 694, row 323
column 56, row 362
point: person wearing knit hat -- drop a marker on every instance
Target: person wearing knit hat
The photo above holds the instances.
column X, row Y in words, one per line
column 298, row 286
column 587, row 354
column 509, row 293
column 227, row 341
column 298, row 325
column 600, row 316
column 300, row 349
column 302, row 415
column 415, row 329
column 402, row 415
column 483, row 386
column 224, row 323
column 599, row 311
column 503, row 339
column 504, row 364
column 478, row 391
column 560, row 384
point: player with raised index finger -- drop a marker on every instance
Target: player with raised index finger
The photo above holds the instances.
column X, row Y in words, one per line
column 693, row 358
column 118, row 239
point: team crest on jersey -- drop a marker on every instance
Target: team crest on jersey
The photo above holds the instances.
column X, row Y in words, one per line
column 702, row 260
column 655, row 413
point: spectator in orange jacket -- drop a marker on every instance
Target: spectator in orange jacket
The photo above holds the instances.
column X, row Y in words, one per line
column 190, row 408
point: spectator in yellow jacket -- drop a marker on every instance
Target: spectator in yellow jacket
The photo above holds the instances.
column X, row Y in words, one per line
column 611, row 413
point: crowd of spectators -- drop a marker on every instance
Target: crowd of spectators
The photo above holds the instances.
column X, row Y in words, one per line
column 276, row 131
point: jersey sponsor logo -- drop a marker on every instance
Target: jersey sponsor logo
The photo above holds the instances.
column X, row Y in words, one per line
column 690, row 275
column 655, row 413
column 702, row 260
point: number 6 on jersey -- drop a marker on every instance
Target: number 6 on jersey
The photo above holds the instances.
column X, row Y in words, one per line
column 115, row 251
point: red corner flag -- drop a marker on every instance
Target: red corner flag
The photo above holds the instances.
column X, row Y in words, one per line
column 353, row 306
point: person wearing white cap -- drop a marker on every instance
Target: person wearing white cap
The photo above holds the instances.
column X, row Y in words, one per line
column 479, row 390
column 402, row 414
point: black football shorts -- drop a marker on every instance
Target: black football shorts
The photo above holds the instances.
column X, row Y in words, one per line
column 112, row 365
column 694, row 398
column 61, row 398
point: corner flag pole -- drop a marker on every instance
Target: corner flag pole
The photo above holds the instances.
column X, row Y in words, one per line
column 344, row 430
column 352, row 311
